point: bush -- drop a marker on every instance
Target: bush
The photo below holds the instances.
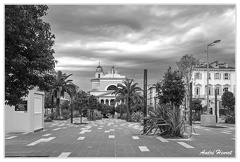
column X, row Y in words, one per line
column 124, row 116
column 65, row 114
column 52, row 116
column 167, row 120
column 137, row 117
column 76, row 114
column 230, row 118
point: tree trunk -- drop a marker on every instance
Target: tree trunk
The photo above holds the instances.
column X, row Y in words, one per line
column 58, row 107
column 71, row 110
column 128, row 108
column 52, row 105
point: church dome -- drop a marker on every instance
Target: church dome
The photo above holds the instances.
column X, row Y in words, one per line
column 99, row 68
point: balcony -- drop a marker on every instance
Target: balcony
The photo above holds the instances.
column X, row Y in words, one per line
column 198, row 96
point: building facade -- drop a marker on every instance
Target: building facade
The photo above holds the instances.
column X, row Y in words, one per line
column 221, row 78
column 103, row 85
column 152, row 98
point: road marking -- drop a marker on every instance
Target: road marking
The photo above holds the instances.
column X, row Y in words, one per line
column 195, row 134
column 135, row 137
column 11, row 137
column 207, row 129
column 25, row 132
column 41, row 140
column 64, row 154
column 143, row 148
column 44, row 130
column 106, row 131
column 162, row 139
column 185, row 145
column 111, row 136
column 82, row 132
column 226, row 132
column 111, row 130
column 87, row 130
column 56, row 129
column 81, row 138
column 99, row 128
column 45, row 135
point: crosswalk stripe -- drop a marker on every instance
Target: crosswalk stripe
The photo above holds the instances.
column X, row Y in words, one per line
column 135, row 137
column 64, row 154
column 207, row 129
column 45, row 135
column 11, row 137
column 162, row 139
column 81, row 138
column 111, row 136
column 143, row 148
column 226, row 132
column 185, row 145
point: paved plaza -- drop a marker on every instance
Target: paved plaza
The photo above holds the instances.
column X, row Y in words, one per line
column 117, row 138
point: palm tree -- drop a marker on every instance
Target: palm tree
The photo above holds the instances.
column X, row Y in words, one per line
column 60, row 86
column 128, row 91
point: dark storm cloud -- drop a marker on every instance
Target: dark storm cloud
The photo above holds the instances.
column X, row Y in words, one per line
column 133, row 37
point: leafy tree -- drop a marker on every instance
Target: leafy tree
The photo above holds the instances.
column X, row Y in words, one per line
column 171, row 90
column 228, row 101
column 80, row 102
column 65, row 105
column 122, row 108
column 93, row 102
column 29, row 60
column 196, row 105
column 185, row 66
column 128, row 91
column 48, row 100
column 106, row 109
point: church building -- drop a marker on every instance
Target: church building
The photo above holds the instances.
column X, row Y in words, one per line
column 103, row 85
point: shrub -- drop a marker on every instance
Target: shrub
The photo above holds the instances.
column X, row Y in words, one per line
column 124, row 116
column 137, row 117
column 65, row 114
column 76, row 114
column 230, row 117
column 53, row 116
column 167, row 120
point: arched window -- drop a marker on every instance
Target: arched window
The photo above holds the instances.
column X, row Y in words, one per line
column 112, row 87
column 102, row 101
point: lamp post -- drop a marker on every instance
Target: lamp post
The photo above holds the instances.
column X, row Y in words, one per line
column 211, row 44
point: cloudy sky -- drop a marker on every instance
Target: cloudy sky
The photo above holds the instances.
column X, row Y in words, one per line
column 136, row 37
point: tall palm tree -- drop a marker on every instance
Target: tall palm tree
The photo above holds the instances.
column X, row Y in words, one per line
column 61, row 85
column 128, row 91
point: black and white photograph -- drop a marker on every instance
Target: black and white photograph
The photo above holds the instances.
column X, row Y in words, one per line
column 116, row 80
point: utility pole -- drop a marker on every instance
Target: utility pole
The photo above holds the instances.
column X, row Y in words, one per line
column 216, row 105
column 144, row 98
column 145, row 93
column 190, row 104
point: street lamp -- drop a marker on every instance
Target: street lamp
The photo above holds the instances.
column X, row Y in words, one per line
column 211, row 44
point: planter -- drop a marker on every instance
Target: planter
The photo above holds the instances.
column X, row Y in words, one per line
column 47, row 120
column 208, row 120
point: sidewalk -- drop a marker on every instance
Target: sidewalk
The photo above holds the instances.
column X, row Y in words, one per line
column 113, row 138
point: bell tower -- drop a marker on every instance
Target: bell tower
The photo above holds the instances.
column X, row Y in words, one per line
column 99, row 71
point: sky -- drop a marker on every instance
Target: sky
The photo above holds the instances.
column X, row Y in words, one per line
column 136, row 37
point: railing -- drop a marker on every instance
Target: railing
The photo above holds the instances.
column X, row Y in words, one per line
column 198, row 96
